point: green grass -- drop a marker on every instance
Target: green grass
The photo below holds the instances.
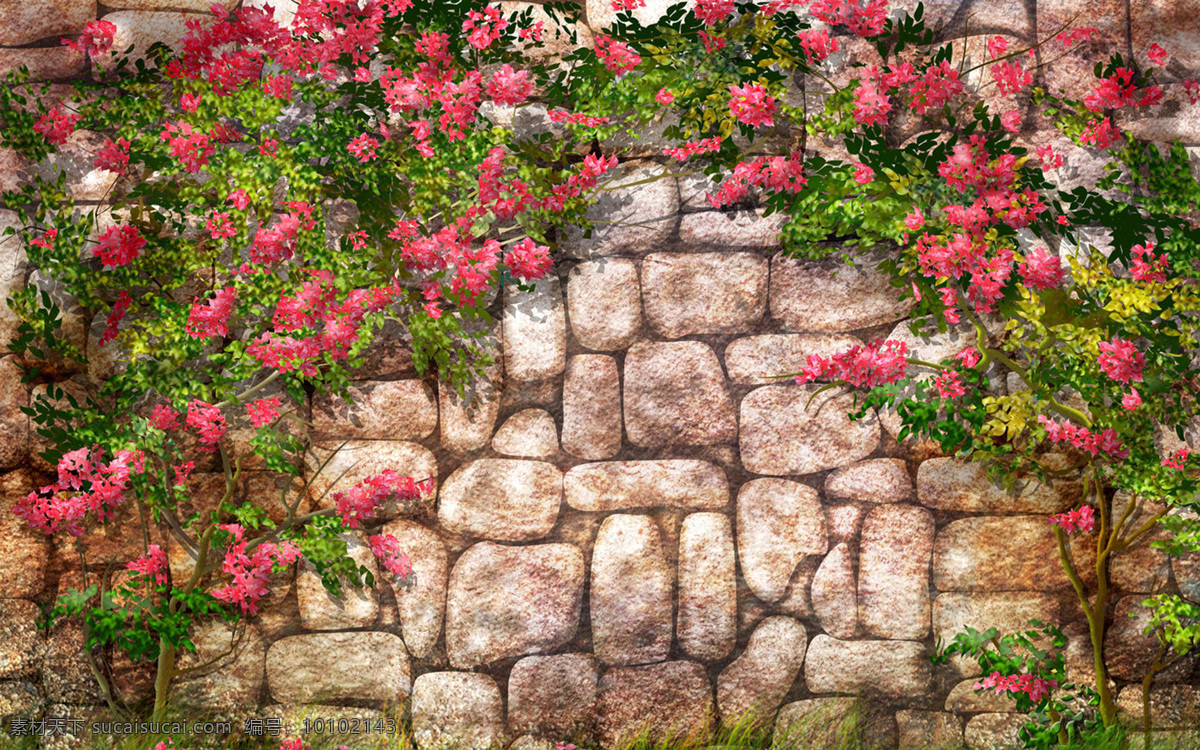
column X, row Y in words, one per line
column 847, row 726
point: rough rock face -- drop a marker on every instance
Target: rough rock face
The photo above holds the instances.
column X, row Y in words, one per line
column 658, row 701
column 630, row 592
column 500, row 498
column 883, row 668
column 706, row 624
column 756, row 682
column 592, row 407
column 508, row 601
column 604, row 303
column 529, row 433
column 997, row 554
column 535, row 332
column 619, row 485
column 951, row 484
column 833, row 598
column 422, row 605
column 808, row 297
column 553, row 696
column 371, row 667
column 780, row 436
column 759, row 360
column 456, row 709
column 893, row 572
column 687, row 293
column 675, row 393
column 877, row 480
column 1007, row 611
column 779, row 523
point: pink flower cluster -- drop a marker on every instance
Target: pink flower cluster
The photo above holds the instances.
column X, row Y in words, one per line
column 362, row 500
column 712, row 11
column 85, row 483
column 1036, row 688
column 1011, row 77
column 1083, row 438
column 691, row 148
column 120, row 307
column 208, row 422
column 1146, row 267
column 96, row 39
column 1041, row 270
column 618, row 57
column 863, row 367
column 153, row 563
column 211, row 317
column 1176, row 460
column 1120, row 360
column 865, row 18
column 752, row 106
column 776, row 173
column 118, row 246
column 508, row 86
column 948, row 384
column 113, row 156
column 263, row 411
column 1081, row 519
column 56, row 126
column 817, row 44
column 187, row 144
column 482, row 29
column 251, row 572
column 387, row 550
column 1100, row 134
column 528, row 261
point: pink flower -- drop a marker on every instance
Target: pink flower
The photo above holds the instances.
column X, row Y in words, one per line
column 817, row 44
column 97, row 38
column 664, row 97
column 263, row 411
column 1191, row 87
column 865, row 18
column 362, row 500
column 508, row 86
column 1132, row 400
column 1120, row 360
column 712, row 11
column 968, row 357
column 691, row 148
column 1011, row 76
column 1041, row 270
column 1177, row 459
column 153, row 563
column 219, row 225
column 183, row 471
column 1068, row 38
column 752, row 106
column 879, row 362
column 1157, row 54
column 211, row 318
column 618, row 57
column 363, row 147
column 188, row 145
column 239, row 198
column 559, row 116
column 533, row 32
column 931, row 89
column 1083, row 438
column 164, row 418
column 362, row 75
column 209, row 423
column 620, row 5
column 118, row 246
column 1048, row 158
column 1146, row 267
column 56, row 126
column 1036, row 687
column 1099, row 134
column 387, row 549
column 997, row 46
column 484, row 28
column 1081, row 519
column 863, row 174
column 114, row 318
column 279, row 87
column 1011, row 120
column 113, row 156
column 268, row 147
column 915, row 219
column 949, row 384
column 871, row 103
column 189, row 102
column 528, row 261
column 711, row 43
column 46, row 239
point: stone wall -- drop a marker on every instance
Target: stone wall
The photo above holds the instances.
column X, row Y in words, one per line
column 634, row 522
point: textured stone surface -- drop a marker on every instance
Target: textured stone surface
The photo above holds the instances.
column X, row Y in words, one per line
column 618, row 485
column 14, row 423
column 368, row 667
column 359, row 459
column 688, row 293
column 1007, row 611
column 833, row 722
column 553, row 696
column 891, row 669
column 876, row 480
column 725, row 229
column 604, row 303
column 755, row 360
column 666, row 700
column 143, row 28
column 535, row 333
column 779, row 522
column 422, row 605
column 197, row 6
column 833, row 593
column 929, row 730
column 675, row 393
column 385, row 410
column 530, row 433
column 807, row 296
column 893, row 571
column 44, row 63
column 780, row 436
column 630, row 592
column 755, row 683
column 501, row 498
column 591, row 407
column 952, row 484
column 1129, row 652
column 997, row 554
column 707, row 619
column 456, row 709
column 27, row 21
column 642, row 216
column 1171, row 706
column 24, row 551
column 509, row 601
column 357, row 608
column 466, row 424
column 233, row 681
column 994, row 731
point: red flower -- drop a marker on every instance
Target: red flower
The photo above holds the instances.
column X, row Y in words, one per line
column 97, row 38
column 118, row 246
column 56, row 126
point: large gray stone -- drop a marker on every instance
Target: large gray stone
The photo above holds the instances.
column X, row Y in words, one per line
column 657, row 701
column 530, row 433
column 833, row 592
column 510, row 601
column 830, row 296
column 779, row 523
column 24, row 550
column 780, row 436
column 421, row 605
column 1129, row 651
column 553, row 696
column 755, row 683
column 955, row 485
column 758, row 360
column 233, row 677
column 604, row 303
column 876, row 480
column 891, row 669
column 707, row 619
column 591, row 407
column 26, row 22
column 672, row 483
column 729, row 229
column 1007, row 611
column 690, row 293
column 630, row 592
column 367, row 667
column 675, row 393
column 893, row 572
column 994, row 731
column 458, row 710
column 501, row 498
column 23, row 642
column 15, row 429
